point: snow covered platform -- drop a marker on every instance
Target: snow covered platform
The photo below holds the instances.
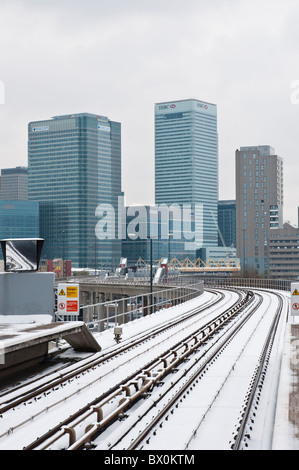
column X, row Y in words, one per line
column 286, row 427
column 24, row 341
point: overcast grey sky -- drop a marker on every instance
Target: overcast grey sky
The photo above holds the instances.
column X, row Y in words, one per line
column 118, row 58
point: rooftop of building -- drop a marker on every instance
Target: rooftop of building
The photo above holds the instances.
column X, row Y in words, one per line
column 184, row 101
column 19, row 170
column 227, row 202
column 262, row 149
column 67, row 116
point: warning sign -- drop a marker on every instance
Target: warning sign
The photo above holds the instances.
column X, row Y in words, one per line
column 72, row 291
column 72, row 306
column 295, row 299
column 68, row 299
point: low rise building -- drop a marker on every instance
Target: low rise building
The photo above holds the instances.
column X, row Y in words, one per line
column 283, row 246
column 61, row 268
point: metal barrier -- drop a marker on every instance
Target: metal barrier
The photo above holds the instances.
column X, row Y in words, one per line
column 108, row 314
column 276, row 284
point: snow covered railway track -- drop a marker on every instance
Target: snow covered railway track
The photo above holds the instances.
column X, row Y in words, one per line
column 19, row 411
column 84, row 427
column 248, row 414
column 31, row 391
column 220, row 405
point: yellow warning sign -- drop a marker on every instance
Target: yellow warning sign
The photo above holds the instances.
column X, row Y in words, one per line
column 295, row 292
column 62, row 292
column 72, row 291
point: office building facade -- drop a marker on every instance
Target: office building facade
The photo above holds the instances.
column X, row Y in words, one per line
column 14, row 184
column 74, row 165
column 186, row 163
column 19, row 219
column 259, row 204
column 227, row 223
column 284, row 252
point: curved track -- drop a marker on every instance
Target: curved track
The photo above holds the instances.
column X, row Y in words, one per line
column 33, row 403
column 134, row 395
column 219, row 401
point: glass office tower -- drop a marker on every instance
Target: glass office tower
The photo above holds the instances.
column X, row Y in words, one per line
column 227, row 223
column 74, row 164
column 186, row 163
column 19, row 219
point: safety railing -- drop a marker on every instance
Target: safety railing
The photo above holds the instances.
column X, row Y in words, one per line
column 101, row 316
column 276, row 284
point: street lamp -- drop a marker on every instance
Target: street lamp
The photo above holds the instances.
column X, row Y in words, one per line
column 95, row 256
column 151, row 267
column 169, row 236
column 151, row 273
column 244, row 249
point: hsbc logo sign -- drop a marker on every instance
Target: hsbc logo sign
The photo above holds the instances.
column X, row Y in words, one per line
column 167, row 106
column 162, row 107
column 201, row 105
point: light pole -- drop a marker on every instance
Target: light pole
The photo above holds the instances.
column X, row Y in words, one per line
column 95, row 255
column 151, row 267
column 151, row 274
column 169, row 236
column 244, row 249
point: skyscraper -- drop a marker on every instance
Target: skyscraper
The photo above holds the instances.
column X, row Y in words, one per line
column 259, row 204
column 227, row 223
column 14, row 184
column 74, row 164
column 186, row 162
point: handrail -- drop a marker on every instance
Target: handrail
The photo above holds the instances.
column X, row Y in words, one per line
column 103, row 315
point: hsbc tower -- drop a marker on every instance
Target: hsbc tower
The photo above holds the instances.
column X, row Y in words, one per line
column 186, row 163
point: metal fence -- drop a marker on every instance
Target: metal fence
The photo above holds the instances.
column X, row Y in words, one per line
column 110, row 313
column 276, row 284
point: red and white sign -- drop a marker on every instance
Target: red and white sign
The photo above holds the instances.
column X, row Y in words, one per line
column 68, row 299
column 294, row 299
column 72, row 306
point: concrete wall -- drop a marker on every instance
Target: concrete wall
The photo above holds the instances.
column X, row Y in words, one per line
column 27, row 293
